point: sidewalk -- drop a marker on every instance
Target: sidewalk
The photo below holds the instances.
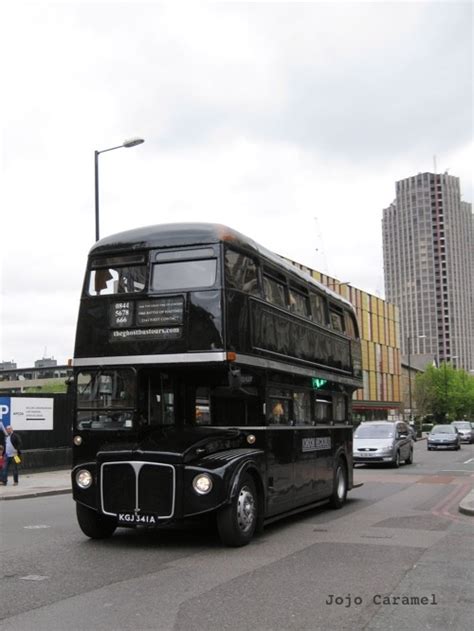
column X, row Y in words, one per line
column 59, row 482
column 36, row 484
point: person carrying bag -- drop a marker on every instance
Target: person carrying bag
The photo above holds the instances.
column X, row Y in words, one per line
column 12, row 455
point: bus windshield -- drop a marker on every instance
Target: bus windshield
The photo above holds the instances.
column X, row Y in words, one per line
column 105, row 399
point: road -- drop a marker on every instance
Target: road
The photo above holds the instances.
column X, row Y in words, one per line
column 399, row 536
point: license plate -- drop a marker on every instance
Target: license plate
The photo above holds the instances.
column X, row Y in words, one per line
column 136, row 518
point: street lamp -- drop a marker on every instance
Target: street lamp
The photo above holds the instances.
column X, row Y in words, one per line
column 409, row 372
column 132, row 142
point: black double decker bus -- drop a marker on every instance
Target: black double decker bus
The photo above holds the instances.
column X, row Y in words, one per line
column 211, row 377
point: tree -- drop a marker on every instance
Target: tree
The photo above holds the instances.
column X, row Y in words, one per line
column 445, row 393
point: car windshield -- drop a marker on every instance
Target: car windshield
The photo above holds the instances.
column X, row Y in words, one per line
column 374, row 431
column 443, row 429
column 462, row 425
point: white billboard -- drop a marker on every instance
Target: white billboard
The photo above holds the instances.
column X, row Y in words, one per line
column 27, row 413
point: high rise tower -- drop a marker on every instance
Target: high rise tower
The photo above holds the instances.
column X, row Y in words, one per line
column 428, row 250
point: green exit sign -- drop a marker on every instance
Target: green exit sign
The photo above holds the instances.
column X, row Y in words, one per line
column 318, row 383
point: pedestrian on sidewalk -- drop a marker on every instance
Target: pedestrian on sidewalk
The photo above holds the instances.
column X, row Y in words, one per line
column 12, row 455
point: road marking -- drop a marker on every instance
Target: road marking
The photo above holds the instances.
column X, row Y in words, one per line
column 468, row 461
column 33, row 577
column 36, row 527
column 442, row 508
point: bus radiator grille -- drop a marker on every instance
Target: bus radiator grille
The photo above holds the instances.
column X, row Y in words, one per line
column 143, row 486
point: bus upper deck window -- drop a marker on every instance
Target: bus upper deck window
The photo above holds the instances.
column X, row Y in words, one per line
column 337, row 322
column 351, row 328
column 318, row 308
column 274, row 291
column 117, row 280
column 299, row 303
column 170, row 276
column 241, row 272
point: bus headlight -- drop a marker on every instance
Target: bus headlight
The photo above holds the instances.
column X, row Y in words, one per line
column 202, row 484
column 83, row 478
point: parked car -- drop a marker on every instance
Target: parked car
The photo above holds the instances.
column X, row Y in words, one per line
column 466, row 433
column 412, row 429
column 443, row 437
column 383, row 442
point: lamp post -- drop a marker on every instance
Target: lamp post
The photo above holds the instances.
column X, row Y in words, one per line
column 132, row 142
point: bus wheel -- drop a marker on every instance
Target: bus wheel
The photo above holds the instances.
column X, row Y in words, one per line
column 236, row 522
column 94, row 525
column 339, row 493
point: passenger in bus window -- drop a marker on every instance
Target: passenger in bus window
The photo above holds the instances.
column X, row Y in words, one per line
column 278, row 413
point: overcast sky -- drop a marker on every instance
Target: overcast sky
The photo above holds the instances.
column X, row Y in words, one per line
column 289, row 122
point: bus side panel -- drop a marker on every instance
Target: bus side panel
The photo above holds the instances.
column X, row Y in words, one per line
column 279, row 333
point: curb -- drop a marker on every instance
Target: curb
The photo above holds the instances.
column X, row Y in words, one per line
column 466, row 507
column 21, row 496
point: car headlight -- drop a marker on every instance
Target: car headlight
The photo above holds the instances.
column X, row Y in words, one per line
column 83, row 478
column 202, row 484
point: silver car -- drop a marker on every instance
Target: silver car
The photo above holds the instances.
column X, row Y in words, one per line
column 443, row 437
column 383, row 442
column 465, row 431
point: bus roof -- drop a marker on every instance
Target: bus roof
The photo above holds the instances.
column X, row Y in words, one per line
column 174, row 235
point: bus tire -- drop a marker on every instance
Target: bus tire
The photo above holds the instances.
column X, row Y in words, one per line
column 93, row 524
column 236, row 522
column 340, row 484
